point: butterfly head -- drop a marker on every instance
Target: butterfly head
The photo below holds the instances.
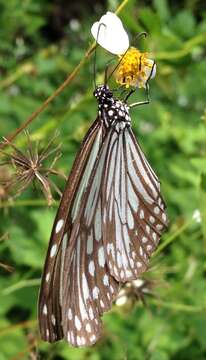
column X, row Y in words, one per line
column 103, row 94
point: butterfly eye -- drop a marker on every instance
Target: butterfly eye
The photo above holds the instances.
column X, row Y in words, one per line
column 109, row 94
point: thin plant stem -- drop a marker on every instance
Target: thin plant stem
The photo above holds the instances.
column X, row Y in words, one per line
column 22, row 325
column 179, row 307
column 20, row 285
column 173, row 237
column 59, row 90
column 29, row 202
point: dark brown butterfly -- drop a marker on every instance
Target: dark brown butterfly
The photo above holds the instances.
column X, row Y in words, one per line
column 109, row 222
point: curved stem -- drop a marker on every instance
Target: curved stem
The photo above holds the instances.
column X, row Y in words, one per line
column 59, row 90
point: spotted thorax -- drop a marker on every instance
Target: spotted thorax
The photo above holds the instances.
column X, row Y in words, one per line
column 111, row 109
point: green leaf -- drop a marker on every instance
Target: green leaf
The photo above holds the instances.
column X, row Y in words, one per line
column 162, row 9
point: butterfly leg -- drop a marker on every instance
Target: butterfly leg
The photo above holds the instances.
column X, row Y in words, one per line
column 147, row 101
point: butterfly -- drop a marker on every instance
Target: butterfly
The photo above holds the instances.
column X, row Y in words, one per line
column 108, row 224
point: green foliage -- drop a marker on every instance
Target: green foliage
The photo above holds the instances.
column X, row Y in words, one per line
column 172, row 132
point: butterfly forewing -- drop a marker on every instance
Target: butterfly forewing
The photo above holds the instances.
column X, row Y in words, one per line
column 90, row 288
column 50, row 298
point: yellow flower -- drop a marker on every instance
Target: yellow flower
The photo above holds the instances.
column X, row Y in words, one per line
column 134, row 69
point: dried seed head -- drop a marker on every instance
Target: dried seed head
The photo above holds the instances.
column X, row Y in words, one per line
column 141, row 288
column 5, row 178
column 30, row 166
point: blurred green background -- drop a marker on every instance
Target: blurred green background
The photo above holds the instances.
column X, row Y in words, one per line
column 41, row 41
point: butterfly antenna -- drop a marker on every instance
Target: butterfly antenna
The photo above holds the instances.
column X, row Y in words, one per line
column 95, row 55
column 139, row 35
column 117, row 64
column 106, row 71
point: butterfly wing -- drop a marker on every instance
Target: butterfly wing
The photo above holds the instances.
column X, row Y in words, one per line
column 110, row 213
column 88, row 287
column 134, row 211
column 50, row 296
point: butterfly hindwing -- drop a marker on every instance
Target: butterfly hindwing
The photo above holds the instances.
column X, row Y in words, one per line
column 134, row 212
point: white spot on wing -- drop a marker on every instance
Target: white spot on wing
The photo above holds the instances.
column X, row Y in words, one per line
column 141, row 215
column 144, row 239
column 88, row 327
column 70, row 316
column 106, row 280
column 111, row 289
column 53, row 319
column 134, row 201
column 130, row 219
column 95, row 292
column 92, row 338
column 97, row 223
column 90, row 244
column 59, row 225
column 63, row 251
column 79, row 341
column 154, row 236
column 72, row 337
column 164, row 218
column 85, row 287
column 119, row 259
column 53, row 250
column 159, row 226
column 91, row 314
column 45, row 309
column 91, row 268
column 77, row 323
column 101, row 257
column 156, row 210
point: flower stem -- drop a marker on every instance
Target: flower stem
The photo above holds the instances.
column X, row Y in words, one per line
column 59, row 90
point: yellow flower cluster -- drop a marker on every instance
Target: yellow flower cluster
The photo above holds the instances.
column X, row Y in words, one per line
column 134, row 68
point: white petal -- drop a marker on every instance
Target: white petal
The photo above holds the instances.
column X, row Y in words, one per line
column 141, row 82
column 112, row 35
column 151, row 62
